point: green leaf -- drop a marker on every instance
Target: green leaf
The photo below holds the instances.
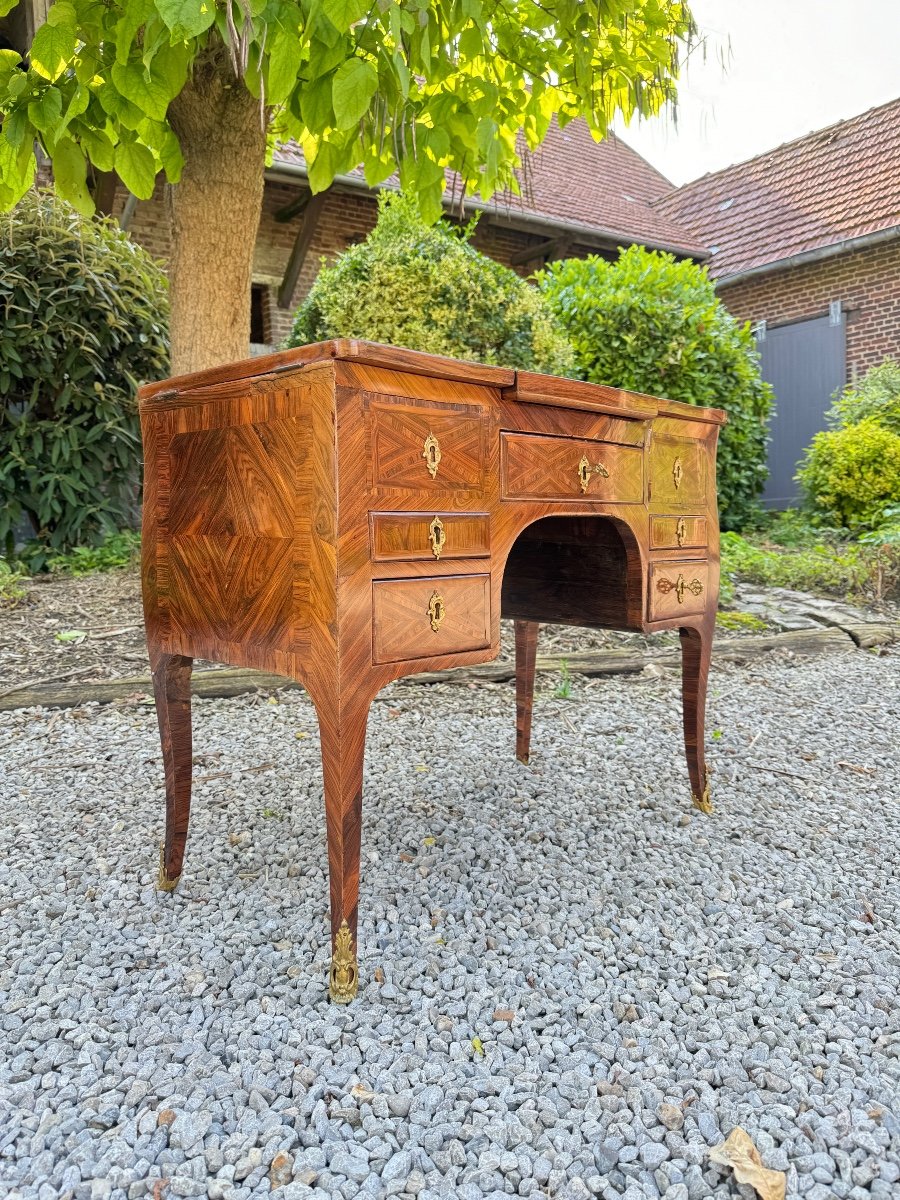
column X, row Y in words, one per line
column 284, row 61
column 97, row 146
column 45, row 113
column 136, row 14
column 77, row 105
column 52, row 49
column 142, row 88
column 171, row 157
column 187, row 18
column 15, row 127
column 355, row 82
column 9, row 63
column 344, row 13
column 69, row 175
column 316, row 107
column 137, row 168
column 16, row 172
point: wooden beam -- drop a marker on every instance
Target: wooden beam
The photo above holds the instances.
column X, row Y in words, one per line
column 294, row 209
column 549, row 250
column 301, row 247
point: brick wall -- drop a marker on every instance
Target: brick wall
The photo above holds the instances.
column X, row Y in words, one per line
column 346, row 219
column 866, row 282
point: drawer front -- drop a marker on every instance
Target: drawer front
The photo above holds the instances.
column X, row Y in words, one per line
column 429, row 447
column 420, row 618
column 677, row 588
column 677, row 472
column 405, row 537
column 553, row 468
column 671, row 533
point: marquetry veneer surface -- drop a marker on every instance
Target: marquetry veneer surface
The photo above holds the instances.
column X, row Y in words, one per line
column 346, row 514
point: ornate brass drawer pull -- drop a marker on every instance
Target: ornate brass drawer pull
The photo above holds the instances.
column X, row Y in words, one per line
column 436, row 610
column 585, row 471
column 677, row 473
column 437, row 536
column 431, row 452
column 680, row 531
column 695, row 587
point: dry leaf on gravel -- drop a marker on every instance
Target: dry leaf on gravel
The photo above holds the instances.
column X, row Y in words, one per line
column 739, row 1153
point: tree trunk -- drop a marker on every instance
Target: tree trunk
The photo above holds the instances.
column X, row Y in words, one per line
column 214, row 213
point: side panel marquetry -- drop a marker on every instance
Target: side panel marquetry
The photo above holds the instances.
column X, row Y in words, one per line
column 555, row 468
column 423, row 618
column 407, row 537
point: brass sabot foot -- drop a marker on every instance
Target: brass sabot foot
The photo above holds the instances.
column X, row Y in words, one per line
column 343, row 979
column 164, row 883
column 703, row 802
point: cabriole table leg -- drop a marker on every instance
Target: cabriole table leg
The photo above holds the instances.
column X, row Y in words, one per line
column 172, row 690
column 526, row 650
column 696, row 647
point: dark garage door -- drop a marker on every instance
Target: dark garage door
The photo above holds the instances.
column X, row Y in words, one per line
column 805, row 364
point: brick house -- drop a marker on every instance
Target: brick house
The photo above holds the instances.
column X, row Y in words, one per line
column 580, row 197
column 804, row 242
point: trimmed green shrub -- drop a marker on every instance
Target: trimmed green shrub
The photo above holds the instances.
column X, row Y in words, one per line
column 650, row 323
column 83, row 320
column 876, row 395
column 851, row 475
column 425, row 287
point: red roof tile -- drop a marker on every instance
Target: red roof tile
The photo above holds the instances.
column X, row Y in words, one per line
column 832, row 185
column 605, row 188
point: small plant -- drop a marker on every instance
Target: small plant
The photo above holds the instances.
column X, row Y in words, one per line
column 851, row 475
column 564, row 687
column 876, row 395
column 425, row 287
column 114, row 552
column 12, row 579
column 845, row 569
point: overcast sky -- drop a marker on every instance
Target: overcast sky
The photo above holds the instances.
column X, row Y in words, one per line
column 790, row 66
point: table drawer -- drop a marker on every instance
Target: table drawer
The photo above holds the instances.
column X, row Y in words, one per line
column 677, row 472
column 671, row 533
column 428, row 448
column 405, row 537
column 557, row 468
column 677, row 588
column 421, row 618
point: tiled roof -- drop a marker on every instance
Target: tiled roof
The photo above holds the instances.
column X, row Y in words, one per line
column 576, row 183
column 835, row 184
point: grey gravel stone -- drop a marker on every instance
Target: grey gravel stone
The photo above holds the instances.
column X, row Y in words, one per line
column 669, row 978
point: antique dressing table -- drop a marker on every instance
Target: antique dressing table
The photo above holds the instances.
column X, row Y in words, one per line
column 347, row 513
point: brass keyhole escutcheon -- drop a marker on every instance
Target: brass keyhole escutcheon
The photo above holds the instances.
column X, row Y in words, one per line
column 437, row 536
column 431, row 452
column 677, row 473
column 436, row 610
column 679, row 587
column 680, row 531
column 585, row 471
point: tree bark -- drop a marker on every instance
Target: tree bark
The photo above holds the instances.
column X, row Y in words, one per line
column 214, row 215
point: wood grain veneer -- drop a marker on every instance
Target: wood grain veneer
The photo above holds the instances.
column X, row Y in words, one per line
column 288, row 519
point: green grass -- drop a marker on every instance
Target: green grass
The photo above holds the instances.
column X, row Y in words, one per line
column 744, row 621
column 564, row 687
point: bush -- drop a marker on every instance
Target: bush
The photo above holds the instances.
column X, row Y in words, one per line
column 83, row 320
column 424, row 287
column 876, row 395
column 851, row 475
column 652, row 324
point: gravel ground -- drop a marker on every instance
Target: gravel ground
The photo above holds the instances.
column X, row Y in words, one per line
column 575, row 989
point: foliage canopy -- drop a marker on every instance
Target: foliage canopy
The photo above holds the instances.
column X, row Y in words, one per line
column 416, row 85
column 83, row 314
column 427, row 288
column 650, row 323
